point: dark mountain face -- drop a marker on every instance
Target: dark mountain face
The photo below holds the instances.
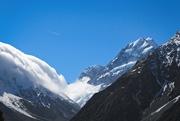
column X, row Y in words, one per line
column 149, row 91
column 1, row 116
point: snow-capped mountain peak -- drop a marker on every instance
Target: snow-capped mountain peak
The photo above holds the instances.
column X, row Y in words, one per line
column 134, row 51
column 97, row 77
column 142, row 41
column 150, row 91
column 137, row 42
column 151, row 42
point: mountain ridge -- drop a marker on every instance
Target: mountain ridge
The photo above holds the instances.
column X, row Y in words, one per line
column 97, row 77
column 149, row 91
column 29, row 84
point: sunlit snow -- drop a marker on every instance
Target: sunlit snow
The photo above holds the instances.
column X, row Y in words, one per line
column 13, row 102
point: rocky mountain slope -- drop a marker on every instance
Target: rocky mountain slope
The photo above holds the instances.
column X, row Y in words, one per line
column 150, row 91
column 30, row 89
column 1, row 116
column 96, row 78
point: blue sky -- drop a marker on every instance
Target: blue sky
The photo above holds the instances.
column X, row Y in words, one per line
column 71, row 35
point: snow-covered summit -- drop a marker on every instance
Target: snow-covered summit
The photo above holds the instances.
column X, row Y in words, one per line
column 134, row 51
column 97, row 77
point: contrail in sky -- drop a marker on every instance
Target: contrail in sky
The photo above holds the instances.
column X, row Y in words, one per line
column 55, row 33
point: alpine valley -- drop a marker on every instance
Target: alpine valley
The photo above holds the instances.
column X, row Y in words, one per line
column 142, row 83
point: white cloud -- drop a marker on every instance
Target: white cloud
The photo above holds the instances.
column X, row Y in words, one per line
column 80, row 91
column 28, row 71
column 21, row 70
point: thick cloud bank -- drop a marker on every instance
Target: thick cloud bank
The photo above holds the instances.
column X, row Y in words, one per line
column 19, row 69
